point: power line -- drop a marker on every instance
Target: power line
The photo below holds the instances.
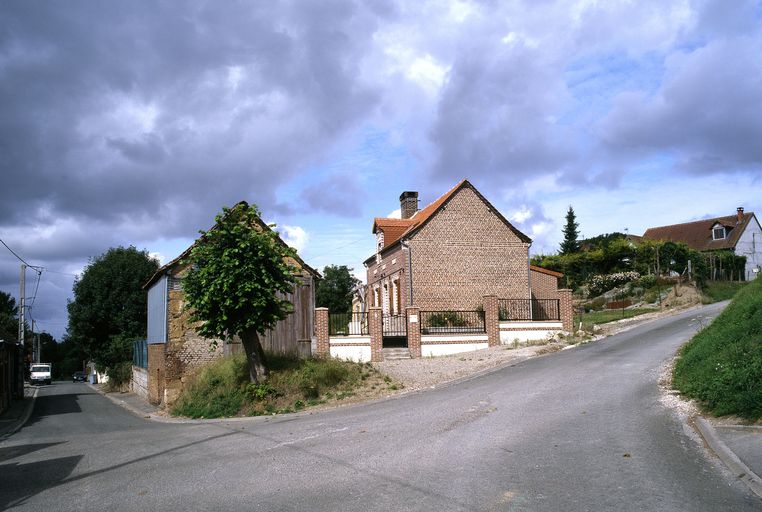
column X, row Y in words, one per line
column 19, row 257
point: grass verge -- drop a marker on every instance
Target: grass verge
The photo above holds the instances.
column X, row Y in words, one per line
column 611, row 315
column 222, row 389
column 722, row 365
column 716, row 291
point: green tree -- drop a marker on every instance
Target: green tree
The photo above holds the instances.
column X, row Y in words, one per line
column 570, row 245
column 9, row 322
column 238, row 273
column 335, row 290
column 110, row 305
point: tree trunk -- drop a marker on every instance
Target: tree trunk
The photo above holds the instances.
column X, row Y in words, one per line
column 255, row 356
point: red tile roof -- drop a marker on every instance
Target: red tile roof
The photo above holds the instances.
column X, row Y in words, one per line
column 698, row 235
column 396, row 229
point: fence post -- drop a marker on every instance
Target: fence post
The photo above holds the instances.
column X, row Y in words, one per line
column 492, row 320
column 322, row 335
column 413, row 314
column 566, row 311
column 376, row 331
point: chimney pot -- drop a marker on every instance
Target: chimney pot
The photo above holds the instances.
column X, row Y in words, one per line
column 740, row 213
column 408, row 204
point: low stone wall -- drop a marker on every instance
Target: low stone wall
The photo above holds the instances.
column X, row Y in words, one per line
column 350, row 348
column 524, row 332
column 139, row 382
column 434, row 345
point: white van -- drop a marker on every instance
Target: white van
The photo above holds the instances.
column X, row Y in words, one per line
column 40, row 373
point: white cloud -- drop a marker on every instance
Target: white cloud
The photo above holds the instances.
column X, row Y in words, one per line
column 294, row 236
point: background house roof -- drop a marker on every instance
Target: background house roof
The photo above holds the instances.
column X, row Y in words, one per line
column 698, row 235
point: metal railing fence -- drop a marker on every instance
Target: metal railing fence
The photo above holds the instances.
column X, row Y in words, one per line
column 447, row 322
column 346, row 324
column 529, row 309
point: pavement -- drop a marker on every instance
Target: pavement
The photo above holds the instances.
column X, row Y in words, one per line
column 133, row 403
column 18, row 413
column 739, row 447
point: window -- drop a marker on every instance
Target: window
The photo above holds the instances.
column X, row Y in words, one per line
column 718, row 232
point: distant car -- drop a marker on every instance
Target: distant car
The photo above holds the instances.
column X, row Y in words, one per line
column 39, row 373
column 78, row 376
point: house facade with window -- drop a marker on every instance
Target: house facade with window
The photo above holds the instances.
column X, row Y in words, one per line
column 450, row 255
column 175, row 350
column 740, row 233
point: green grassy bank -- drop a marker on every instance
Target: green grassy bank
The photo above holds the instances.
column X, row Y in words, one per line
column 722, row 365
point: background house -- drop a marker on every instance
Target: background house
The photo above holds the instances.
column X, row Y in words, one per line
column 175, row 349
column 740, row 233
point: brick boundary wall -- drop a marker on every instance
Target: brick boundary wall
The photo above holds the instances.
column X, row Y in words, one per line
column 376, row 331
column 414, row 331
column 322, row 341
column 492, row 320
column 566, row 309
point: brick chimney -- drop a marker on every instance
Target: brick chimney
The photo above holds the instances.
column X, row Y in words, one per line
column 740, row 213
column 408, row 204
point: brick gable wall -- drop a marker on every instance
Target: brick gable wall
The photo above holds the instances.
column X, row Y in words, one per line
column 465, row 252
column 544, row 286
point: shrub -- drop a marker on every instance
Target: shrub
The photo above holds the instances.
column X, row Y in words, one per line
column 722, row 365
column 602, row 283
column 119, row 376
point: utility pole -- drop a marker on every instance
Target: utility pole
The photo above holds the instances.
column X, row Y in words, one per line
column 22, row 301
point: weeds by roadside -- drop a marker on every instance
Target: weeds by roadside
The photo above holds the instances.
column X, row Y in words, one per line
column 222, row 388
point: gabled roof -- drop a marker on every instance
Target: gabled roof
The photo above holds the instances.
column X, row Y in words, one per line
column 698, row 235
column 165, row 268
column 397, row 229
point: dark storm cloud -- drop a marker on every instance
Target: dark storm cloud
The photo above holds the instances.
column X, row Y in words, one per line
column 496, row 116
column 133, row 121
column 125, row 108
column 338, row 195
column 704, row 115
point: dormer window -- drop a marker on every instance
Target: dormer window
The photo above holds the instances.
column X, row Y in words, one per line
column 719, row 232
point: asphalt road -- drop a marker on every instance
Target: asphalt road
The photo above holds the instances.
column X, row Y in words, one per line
column 581, row 429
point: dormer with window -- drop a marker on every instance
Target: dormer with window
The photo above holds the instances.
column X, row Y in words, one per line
column 719, row 232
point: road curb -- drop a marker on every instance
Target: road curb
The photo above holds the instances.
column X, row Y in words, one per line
column 125, row 405
column 728, row 457
column 24, row 417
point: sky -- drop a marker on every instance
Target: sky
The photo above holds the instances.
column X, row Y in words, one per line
column 134, row 123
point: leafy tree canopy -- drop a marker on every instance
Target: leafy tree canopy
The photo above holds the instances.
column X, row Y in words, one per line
column 9, row 323
column 335, row 290
column 238, row 273
column 570, row 245
column 109, row 304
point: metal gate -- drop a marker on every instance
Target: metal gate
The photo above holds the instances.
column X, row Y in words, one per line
column 394, row 331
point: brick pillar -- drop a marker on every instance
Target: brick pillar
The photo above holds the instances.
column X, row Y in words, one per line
column 322, row 341
column 566, row 309
column 413, row 314
column 492, row 320
column 376, row 331
column 156, row 372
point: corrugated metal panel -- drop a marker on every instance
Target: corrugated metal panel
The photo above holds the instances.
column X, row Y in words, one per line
column 157, row 311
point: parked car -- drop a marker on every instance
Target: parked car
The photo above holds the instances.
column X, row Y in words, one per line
column 78, row 377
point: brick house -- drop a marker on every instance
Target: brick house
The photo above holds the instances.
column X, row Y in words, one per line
column 450, row 254
column 740, row 233
column 175, row 349
column 452, row 277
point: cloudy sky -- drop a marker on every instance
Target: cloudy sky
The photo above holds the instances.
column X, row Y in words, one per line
column 133, row 123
